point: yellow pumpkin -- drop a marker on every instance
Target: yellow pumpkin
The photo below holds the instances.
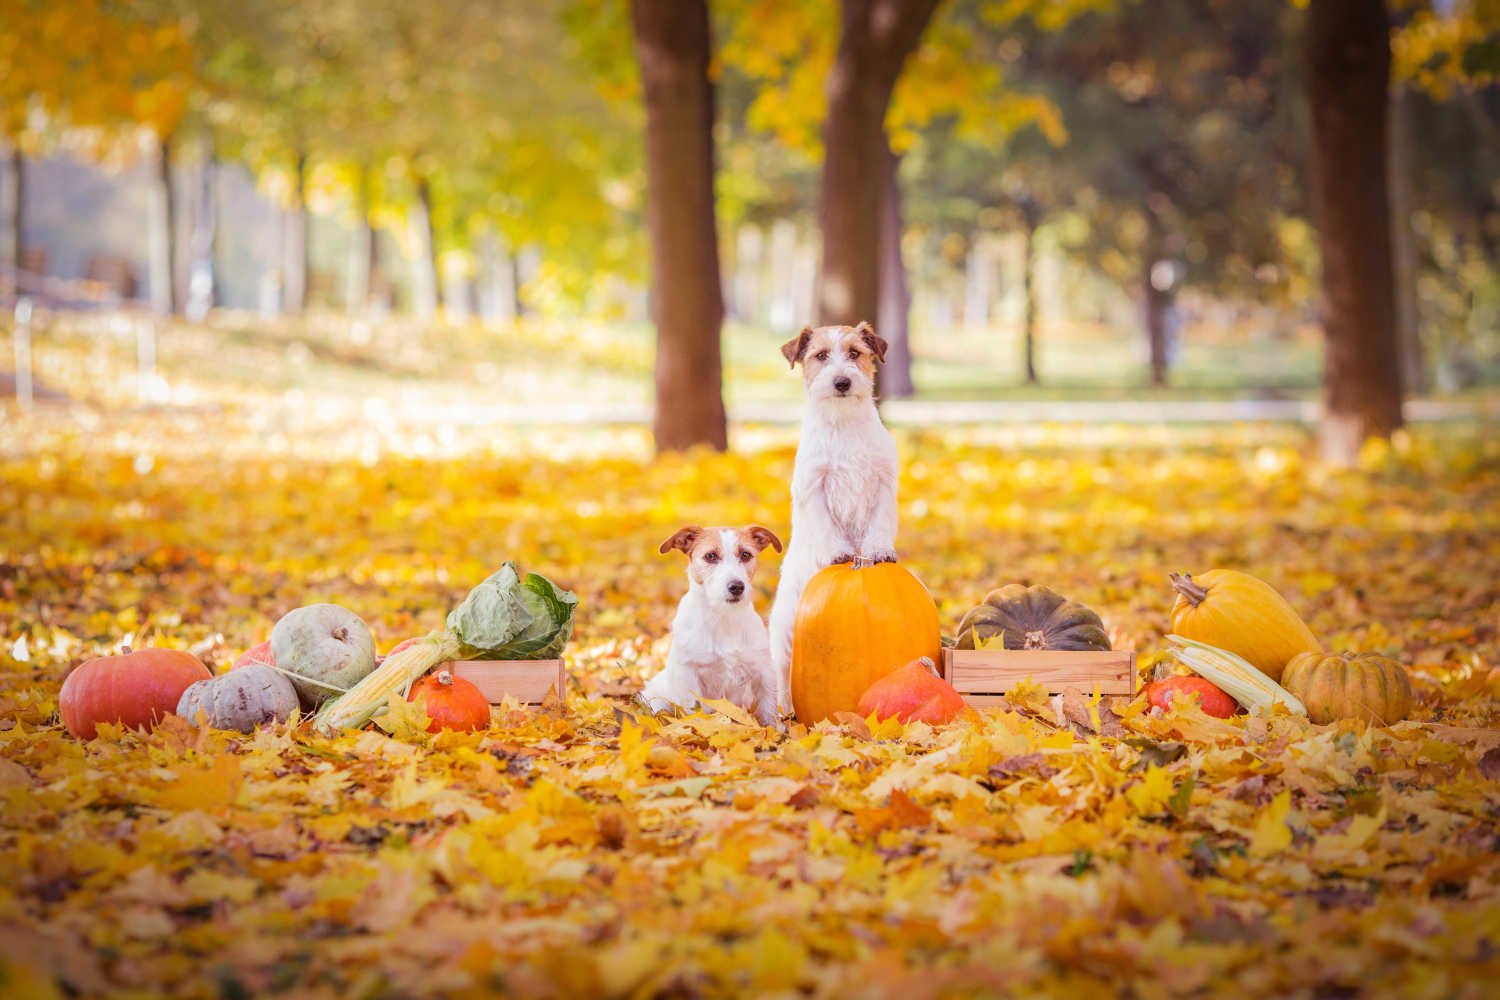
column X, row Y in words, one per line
column 855, row 625
column 1243, row 614
column 1350, row 686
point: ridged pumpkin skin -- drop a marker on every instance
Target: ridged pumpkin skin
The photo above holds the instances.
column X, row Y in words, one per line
column 853, row 627
column 1363, row 686
column 1243, row 614
column 134, row 689
column 1032, row 618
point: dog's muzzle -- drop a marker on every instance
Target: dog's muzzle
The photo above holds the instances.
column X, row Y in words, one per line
column 736, row 591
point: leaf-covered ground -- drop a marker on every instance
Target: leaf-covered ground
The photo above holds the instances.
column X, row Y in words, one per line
column 596, row 853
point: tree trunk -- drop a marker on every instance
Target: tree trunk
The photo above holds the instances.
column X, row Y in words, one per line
column 1403, row 246
column 1028, row 289
column 496, row 280
column 161, row 234
column 749, row 273
column 1348, row 60
column 458, row 290
column 978, row 284
column 784, row 308
column 201, row 263
column 424, row 277
column 360, row 276
column 672, row 45
column 894, row 312
column 1157, row 302
column 518, row 259
column 875, row 39
column 15, row 219
column 294, row 244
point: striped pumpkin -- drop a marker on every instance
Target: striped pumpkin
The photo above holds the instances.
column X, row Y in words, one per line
column 1243, row 614
column 1350, row 686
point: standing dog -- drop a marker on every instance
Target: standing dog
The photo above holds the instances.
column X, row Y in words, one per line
column 719, row 643
column 844, row 478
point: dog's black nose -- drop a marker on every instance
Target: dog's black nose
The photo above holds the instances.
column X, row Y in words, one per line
column 736, row 588
column 842, row 383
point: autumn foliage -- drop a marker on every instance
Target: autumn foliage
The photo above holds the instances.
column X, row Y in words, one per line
column 1080, row 847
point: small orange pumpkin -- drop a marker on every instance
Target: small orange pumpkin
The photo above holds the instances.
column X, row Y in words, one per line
column 1350, row 686
column 135, row 689
column 857, row 622
column 452, row 703
column 1211, row 698
column 915, row 693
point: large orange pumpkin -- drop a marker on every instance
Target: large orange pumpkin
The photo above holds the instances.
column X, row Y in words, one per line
column 134, row 689
column 855, row 624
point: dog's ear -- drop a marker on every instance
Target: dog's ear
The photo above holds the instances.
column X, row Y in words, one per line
column 793, row 349
column 683, row 540
column 762, row 537
column 873, row 340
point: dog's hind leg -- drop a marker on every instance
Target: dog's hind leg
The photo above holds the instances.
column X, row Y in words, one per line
column 783, row 619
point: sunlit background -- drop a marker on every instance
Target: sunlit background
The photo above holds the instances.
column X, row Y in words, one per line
column 373, row 210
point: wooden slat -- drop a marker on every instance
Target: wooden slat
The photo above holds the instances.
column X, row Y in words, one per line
column 996, row 671
column 527, row 681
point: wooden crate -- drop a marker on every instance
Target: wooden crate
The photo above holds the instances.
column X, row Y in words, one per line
column 983, row 676
column 527, row 681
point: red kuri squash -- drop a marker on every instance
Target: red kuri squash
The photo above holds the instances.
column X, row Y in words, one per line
column 1160, row 694
column 915, row 693
column 451, row 702
column 134, row 689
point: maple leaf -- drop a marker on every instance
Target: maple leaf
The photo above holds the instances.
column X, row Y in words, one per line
column 899, row 814
column 1271, row 835
column 405, row 720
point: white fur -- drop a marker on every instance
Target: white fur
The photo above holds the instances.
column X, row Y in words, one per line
column 843, row 491
column 719, row 645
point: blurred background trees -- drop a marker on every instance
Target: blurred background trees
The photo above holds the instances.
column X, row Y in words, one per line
column 1156, row 172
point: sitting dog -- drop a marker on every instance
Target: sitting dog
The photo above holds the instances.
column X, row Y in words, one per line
column 844, row 477
column 719, row 645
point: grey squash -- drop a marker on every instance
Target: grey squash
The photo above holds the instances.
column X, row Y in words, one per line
column 240, row 700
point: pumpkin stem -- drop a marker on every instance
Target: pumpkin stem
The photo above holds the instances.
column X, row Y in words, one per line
column 926, row 661
column 1035, row 640
column 445, row 677
column 1184, row 584
column 124, row 649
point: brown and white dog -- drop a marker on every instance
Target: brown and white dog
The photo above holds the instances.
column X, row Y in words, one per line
column 719, row 644
column 844, row 477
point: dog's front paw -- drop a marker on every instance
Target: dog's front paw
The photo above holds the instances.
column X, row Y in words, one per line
column 847, row 557
column 884, row 557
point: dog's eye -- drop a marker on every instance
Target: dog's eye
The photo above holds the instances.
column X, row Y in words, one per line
column 853, row 354
column 821, row 355
column 745, row 555
column 711, row 557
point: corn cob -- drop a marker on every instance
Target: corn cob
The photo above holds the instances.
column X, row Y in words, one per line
column 1234, row 675
column 369, row 697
